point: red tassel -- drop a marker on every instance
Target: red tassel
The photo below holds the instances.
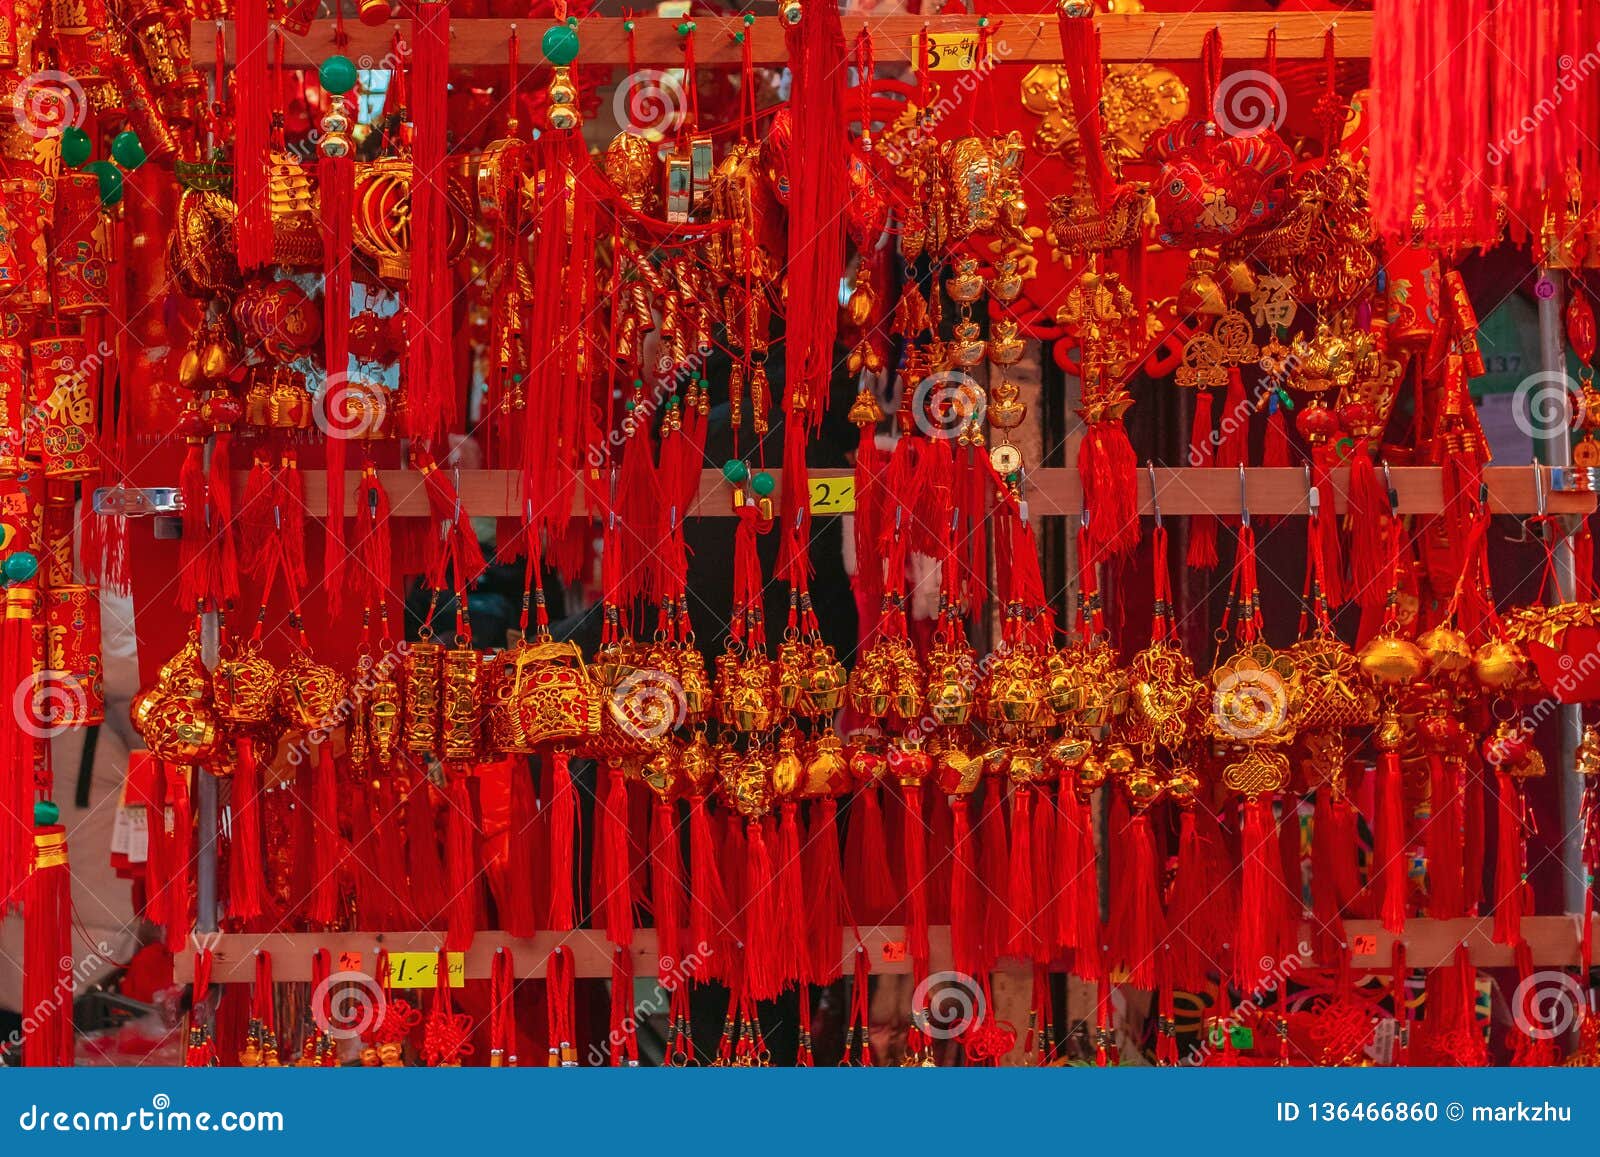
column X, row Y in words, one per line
column 1510, row 889
column 247, row 882
column 376, row 905
column 324, row 905
column 666, row 885
column 1275, row 445
column 388, row 834
column 1136, row 900
column 966, row 929
column 1443, row 839
column 1233, row 444
column 817, row 205
column 709, row 911
column 994, row 861
column 251, row 93
column 1335, row 881
column 519, row 916
column 1261, row 895
column 177, row 857
column 1203, row 901
column 1069, row 814
column 1326, row 525
column 1023, row 938
column 1370, row 548
column 336, row 196
column 424, row 865
column 219, row 493
column 639, row 506
column 18, row 746
column 914, row 847
column 827, row 892
column 563, row 835
column 196, row 582
column 47, row 969
column 794, row 941
column 763, row 973
column 465, row 906
column 613, row 873
column 866, row 855
column 429, row 369
column 1088, row 958
column 1389, row 873
column 1109, row 471
column 1202, row 440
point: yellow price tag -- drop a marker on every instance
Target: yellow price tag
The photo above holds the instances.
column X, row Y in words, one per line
column 421, row 969
column 833, row 495
column 946, row 52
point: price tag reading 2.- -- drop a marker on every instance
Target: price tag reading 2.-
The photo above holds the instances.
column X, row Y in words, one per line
column 945, row 52
column 421, row 969
column 833, row 495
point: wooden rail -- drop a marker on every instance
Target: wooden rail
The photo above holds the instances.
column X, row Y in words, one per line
column 1050, row 493
column 1554, row 940
column 1017, row 38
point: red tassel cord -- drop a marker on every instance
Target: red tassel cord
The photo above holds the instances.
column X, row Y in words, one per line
column 1136, row 920
column 764, row 973
column 1534, row 1043
column 624, row 1025
column 18, row 746
column 201, row 1051
column 428, row 370
column 667, row 891
column 825, row 903
column 327, row 848
column 1261, row 905
column 1442, row 837
column 502, row 1011
column 613, row 871
column 866, row 858
column 966, row 929
column 1389, row 873
column 519, row 914
column 425, row 866
column 710, row 913
column 464, row 910
column 1511, row 892
column 857, row 1037
column 447, row 1034
column 47, row 968
column 1202, row 902
column 343, row 411
column 247, row 883
column 561, row 1008
column 1335, row 879
column 251, row 116
column 177, row 857
column 793, row 926
column 1023, row 938
column 915, row 850
column 563, row 838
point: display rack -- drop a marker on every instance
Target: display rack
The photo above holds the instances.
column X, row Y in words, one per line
column 652, row 42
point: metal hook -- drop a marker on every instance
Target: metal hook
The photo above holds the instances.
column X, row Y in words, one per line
column 1537, row 521
column 1540, row 495
column 1244, row 506
column 1155, row 495
column 1388, row 486
column 1313, row 494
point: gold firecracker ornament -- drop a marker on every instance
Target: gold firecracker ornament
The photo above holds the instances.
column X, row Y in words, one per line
column 424, row 670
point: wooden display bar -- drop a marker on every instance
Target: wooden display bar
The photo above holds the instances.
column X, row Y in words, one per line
column 1554, row 940
column 1050, row 493
column 1017, row 38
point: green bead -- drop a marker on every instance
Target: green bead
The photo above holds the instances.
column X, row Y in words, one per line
column 674, row 402
column 76, row 147
column 627, row 25
column 983, row 22
column 630, row 405
column 338, row 74
column 764, row 484
column 127, row 150
column 560, row 45
column 749, row 20
column 45, row 814
column 738, row 37
column 735, row 471
column 20, row 567
column 638, row 383
column 110, row 178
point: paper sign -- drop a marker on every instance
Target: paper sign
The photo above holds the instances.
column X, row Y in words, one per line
column 894, row 950
column 349, row 962
column 420, row 969
column 946, row 51
column 833, row 495
column 1365, row 945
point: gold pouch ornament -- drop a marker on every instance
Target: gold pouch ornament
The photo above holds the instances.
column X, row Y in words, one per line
column 557, row 701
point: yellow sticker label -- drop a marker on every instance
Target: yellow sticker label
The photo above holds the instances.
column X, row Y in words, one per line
column 421, row 969
column 945, row 52
column 833, row 495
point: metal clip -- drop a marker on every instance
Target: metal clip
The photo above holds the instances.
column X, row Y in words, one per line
column 1388, row 486
column 138, row 501
column 1244, row 506
column 1313, row 495
column 1155, row 496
